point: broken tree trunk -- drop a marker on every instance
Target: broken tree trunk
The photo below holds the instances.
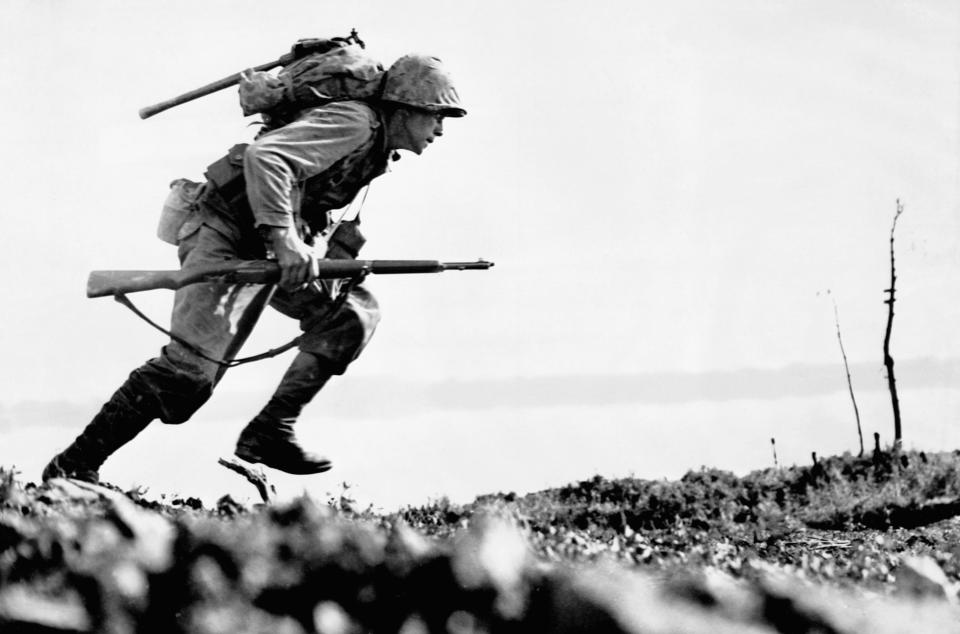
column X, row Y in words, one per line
column 887, row 359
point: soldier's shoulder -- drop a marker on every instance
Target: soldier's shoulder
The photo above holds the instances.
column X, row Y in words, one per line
column 352, row 111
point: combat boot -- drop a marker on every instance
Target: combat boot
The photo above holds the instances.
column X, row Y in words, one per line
column 125, row 415
column 273, row 444
column 269, row 439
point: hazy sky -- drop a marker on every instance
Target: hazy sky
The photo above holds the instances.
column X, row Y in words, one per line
column 664, row 187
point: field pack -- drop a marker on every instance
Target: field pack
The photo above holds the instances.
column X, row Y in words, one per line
column 314, row 72
column 322, row 71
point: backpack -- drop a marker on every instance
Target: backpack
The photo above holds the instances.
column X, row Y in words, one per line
column 321, row 71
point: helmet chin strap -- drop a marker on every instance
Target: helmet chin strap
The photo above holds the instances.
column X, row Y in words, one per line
column 396, row 130
column 354, row 208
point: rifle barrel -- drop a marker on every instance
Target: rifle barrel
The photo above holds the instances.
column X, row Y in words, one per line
column 479, row 265
column 105, row 283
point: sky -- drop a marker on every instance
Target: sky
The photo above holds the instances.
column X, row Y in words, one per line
column 675, row 194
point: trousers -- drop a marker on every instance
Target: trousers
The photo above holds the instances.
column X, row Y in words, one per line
column 218, row 318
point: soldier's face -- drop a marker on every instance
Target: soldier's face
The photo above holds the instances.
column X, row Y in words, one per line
column 419, row 129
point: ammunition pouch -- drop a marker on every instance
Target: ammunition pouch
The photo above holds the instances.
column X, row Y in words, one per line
column 226, row 174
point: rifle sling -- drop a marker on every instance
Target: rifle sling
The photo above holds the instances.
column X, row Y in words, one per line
column 230, row 363
column 123, row 299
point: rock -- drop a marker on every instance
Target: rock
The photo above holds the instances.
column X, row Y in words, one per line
column 24, row 610
column 330, row 618
column 717, row 590
column 610, row 600
column 414, row 624
column 492, row 554
column 226, row 505
column 463, row 622
column 130, row 583
column 302, row 511
column 231, row 618
column 207, row 579
column 790, row 604
column 406, row 549
column 796, row 606
column 63, row 488
column 922, row 577
column 152, row 534
column 13, row 530
column 191, row 503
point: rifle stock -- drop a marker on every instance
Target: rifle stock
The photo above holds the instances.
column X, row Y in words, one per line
column 105, row 283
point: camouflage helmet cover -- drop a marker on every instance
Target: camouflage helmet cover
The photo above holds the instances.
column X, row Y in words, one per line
column 422, row 82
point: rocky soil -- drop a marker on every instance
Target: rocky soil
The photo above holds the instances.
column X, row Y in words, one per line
column 847, row 544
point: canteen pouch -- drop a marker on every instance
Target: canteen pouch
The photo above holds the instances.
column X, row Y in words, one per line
column 346, row 241
column 180, row 204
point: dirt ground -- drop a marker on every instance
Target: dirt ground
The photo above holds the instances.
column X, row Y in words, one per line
column 848, row 544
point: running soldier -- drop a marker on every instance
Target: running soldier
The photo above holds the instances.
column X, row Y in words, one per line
column 274, row 197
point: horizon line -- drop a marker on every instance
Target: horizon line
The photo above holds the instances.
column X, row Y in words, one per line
column 406, row 395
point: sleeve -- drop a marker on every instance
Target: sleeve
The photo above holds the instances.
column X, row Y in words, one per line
column 275, row 164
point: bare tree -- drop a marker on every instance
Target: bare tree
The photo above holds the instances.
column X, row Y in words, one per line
column 887, row 359
column 846, row 367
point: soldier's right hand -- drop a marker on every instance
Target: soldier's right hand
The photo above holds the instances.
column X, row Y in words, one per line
column 298, row 263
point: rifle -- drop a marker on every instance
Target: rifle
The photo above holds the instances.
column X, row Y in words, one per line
column 103, row 283
column 299, row 50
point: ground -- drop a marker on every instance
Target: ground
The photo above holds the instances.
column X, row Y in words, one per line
column 750, row 552
column 845, row 520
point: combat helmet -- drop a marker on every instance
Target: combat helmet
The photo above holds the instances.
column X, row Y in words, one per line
column 422, row 82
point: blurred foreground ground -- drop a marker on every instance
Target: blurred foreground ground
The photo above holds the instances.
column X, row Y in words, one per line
column 846, row 545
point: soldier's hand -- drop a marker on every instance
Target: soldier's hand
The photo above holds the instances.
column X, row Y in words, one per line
column 298, row 263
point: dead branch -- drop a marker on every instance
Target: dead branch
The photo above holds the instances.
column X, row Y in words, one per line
column 846, row 367
column 256, row 478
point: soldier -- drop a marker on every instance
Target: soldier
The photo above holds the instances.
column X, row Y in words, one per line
column 274, row 196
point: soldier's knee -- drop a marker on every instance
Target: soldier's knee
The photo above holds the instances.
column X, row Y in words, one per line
column 340, row 337
column 179, row 391
column 184, row 398
column 334, row 353
column 366, row 310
